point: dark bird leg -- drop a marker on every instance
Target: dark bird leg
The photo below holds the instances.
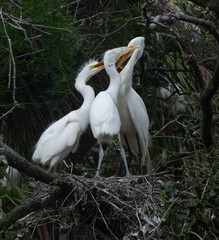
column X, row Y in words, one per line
column 129, row 151
column 139, row 155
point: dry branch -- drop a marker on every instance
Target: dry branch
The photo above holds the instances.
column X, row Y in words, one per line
column 30, row 169
column 12, row 65
column 28, row 207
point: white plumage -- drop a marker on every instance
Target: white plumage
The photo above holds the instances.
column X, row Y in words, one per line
column 132, row 110
column 175, row 103
column 104, row 116
column 106, row 122
column 63, row 136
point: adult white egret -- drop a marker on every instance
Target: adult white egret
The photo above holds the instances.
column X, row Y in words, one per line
column 134, row 131
column 62, row 137
column 104, row 116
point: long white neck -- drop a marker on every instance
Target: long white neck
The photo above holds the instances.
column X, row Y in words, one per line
column 126, row 75
column 86, row 91
column 113, row 88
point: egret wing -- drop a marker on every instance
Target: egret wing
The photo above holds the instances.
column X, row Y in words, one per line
column 139, row 116
column 57, row 141
column 104, row 117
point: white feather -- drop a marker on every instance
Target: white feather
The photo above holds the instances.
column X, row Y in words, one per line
column 63, row 136
column 132, row 110
column 104, row 116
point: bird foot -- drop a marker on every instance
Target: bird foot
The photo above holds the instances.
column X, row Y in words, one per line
column 128, row 174
column 97, row 175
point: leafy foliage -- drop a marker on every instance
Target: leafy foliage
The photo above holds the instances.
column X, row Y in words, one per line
column 193, row 200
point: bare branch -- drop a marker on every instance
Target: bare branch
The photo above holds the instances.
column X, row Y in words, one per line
column 22, row 21
column 109, row 34
column 158, row 132
column 101, row 13
column 11, row 64
column 16, row 161
column 28, row 207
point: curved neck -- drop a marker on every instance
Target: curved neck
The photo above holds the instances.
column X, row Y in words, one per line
column 113, row 88
column 86, row 91
column 127, row 72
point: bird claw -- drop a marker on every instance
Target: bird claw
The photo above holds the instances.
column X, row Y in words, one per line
column 97, row 175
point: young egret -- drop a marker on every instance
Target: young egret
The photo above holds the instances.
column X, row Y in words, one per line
column 132, row 111
column 63, row 136
column 134, row 131
column 104, row 116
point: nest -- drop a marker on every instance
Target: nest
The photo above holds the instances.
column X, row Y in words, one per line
column 107, row 208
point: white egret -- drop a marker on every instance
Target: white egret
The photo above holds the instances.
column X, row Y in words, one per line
column 62, row 137
column 104, row 116
column 134, row 131
column 175, row 102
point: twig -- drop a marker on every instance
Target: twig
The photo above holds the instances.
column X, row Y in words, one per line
column 163, row 218
column 11, row 59
column 174, row 120
column 167, row 70
column 10, row 180
column 26, row 208
column 102, row 13
column 76, row 10
column 196, row 235
column 71, row 3
column 203, row 192
column 102, row 215
column 109, row 34
column 21, row 21
column 139, row 221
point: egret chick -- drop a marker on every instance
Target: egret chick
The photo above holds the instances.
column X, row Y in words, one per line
column 134, row 132
column 63, row 136
column 104, row 116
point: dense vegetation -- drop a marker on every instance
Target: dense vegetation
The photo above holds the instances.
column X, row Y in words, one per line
column 51, row 40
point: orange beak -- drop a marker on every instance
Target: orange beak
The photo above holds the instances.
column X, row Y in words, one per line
column 98, row 65
column 124, row 57
column 121, row 61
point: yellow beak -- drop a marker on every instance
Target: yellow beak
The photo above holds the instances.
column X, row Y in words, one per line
column 124, row 57
column 121, row 61
column 98, row 65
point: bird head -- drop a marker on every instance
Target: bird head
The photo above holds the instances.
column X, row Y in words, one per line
column 86, row 72
column 91, row 71
column 138, row 41
column 121, row 53
column 91, row 67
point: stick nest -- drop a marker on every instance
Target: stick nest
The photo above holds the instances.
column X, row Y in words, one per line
column 120, row 208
